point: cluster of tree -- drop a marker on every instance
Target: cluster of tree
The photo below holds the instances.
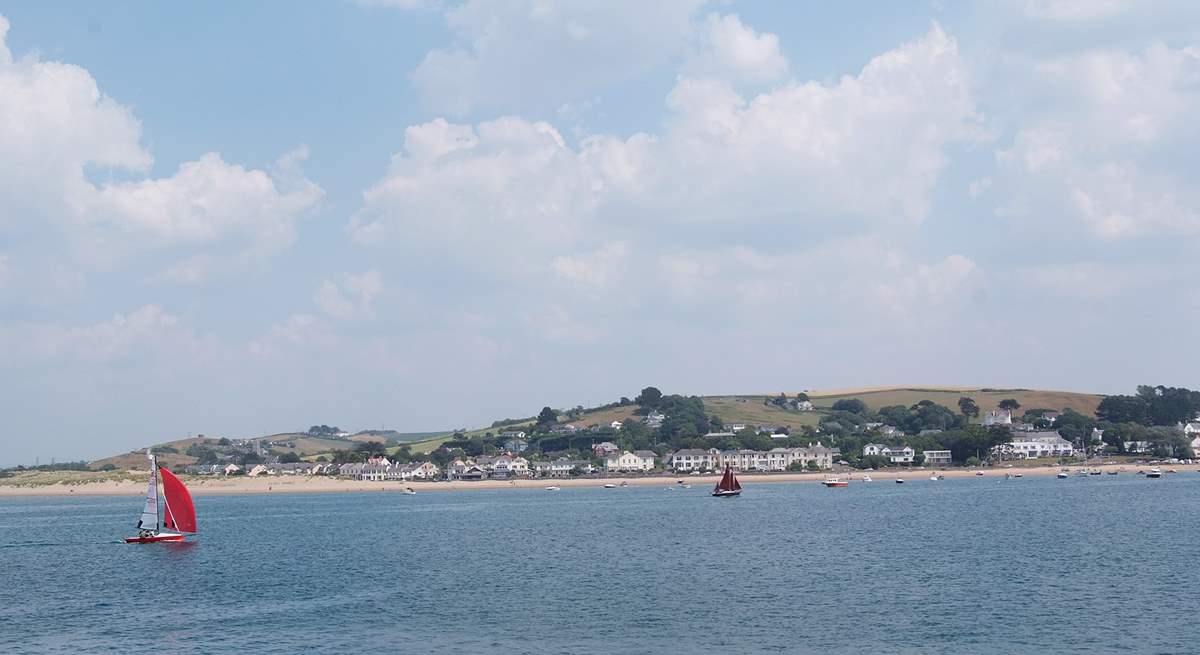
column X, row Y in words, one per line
column 781, row 401
column 323, row 431
column 1151, row 406
column 203, row 454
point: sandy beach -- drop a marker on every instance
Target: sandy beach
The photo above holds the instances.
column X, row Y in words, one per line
column 319, row 484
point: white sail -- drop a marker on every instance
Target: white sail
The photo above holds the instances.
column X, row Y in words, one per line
column 149, row 520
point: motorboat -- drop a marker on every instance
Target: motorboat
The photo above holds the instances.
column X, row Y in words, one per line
column 835, row 482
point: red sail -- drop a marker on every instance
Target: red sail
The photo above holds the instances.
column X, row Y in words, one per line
column 728, row 481
column 168, row 518
column 181, row 513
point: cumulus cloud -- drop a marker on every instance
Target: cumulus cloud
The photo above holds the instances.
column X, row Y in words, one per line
column 1076, row 10
column 731, row 50
column 352, row 296
column 500, row 59
column 595, row 269
column 1106, row 149
column 145, row 331
column 56, row 126
column 868, row 147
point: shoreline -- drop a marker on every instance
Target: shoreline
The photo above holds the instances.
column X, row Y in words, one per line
column 201, row 486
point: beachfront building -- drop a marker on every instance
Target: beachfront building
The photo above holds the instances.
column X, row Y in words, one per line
column 894, row 454
column 1032, row 445
column 937, row 458
column 559, row 468
column 693, row 459
column 505, row 466
column 641, row 460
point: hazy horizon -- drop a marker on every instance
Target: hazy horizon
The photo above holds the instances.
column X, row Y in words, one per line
column 425, row 215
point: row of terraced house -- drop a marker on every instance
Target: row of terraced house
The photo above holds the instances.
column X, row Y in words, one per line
column 776, row 459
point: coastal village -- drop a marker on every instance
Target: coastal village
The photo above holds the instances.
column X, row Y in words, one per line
column 656, row 434
column 547, row 447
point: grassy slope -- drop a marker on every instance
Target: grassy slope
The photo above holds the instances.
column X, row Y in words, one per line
column 948, row 396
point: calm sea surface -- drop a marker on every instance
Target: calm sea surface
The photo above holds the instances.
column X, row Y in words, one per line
column 1101, row 564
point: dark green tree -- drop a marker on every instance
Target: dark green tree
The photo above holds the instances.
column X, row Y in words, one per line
column 1010, row 404
column 649, row 398
column 852, row 405
column 968, row 407
column 547, row 417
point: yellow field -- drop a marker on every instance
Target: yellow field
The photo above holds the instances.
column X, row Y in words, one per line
column 948, row 396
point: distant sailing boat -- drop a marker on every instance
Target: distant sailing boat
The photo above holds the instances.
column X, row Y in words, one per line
column 728, row 486
column 178, row 513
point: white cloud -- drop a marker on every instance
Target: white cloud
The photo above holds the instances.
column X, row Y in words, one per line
column 731, row 50
column 594, row 270
column 869, row 147
column 56, row 128
column 1110, row 145
column 502, row 58
column 353, row 296
column 479, row 191
column 1089, row 280
column 1076, row 10
column 299, row 333
column 147, row 330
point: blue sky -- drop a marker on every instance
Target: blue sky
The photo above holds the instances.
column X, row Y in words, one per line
column 238, row 218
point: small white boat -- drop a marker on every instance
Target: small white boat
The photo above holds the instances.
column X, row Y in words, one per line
column 1154, row 473
column 866, row 478
column 934, row 478
column 610, row 486
column 1018, row 475
column 899, row 480
column 408, row 491
column 553, row 487
column 1062, row 475
column 978, row 472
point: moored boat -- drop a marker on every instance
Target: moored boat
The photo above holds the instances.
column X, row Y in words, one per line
column 1062, row 475
column 610, row 486
column 899, row 480
column 553, row 487
column 1154, row 473
column 728, row 486
column 835, row 482
column 408, row 491
column 177, row 516
column 866, row 478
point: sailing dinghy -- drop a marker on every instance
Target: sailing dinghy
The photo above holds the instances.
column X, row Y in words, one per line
column 177, row 516
column 728, row 486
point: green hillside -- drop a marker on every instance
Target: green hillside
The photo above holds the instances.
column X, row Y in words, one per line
column 730, row 409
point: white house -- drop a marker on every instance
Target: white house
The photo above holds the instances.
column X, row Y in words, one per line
column 694, row 459
column 558, row 468
column 1192, row 428
column 1138, row 446
column 505, row 466
column 1032, row 445
column 616, row 425
column 232, row 469
column 937, row 458
column 998, row 417
column 642, row 460
column 894, row 454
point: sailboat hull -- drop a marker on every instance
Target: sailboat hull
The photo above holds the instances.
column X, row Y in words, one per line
column 161, row 537
column 727, row 494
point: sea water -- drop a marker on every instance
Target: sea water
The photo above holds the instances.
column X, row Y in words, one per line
column 981, row 565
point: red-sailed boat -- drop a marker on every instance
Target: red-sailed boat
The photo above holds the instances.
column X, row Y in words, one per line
column 178, row 515
column 728, row 486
